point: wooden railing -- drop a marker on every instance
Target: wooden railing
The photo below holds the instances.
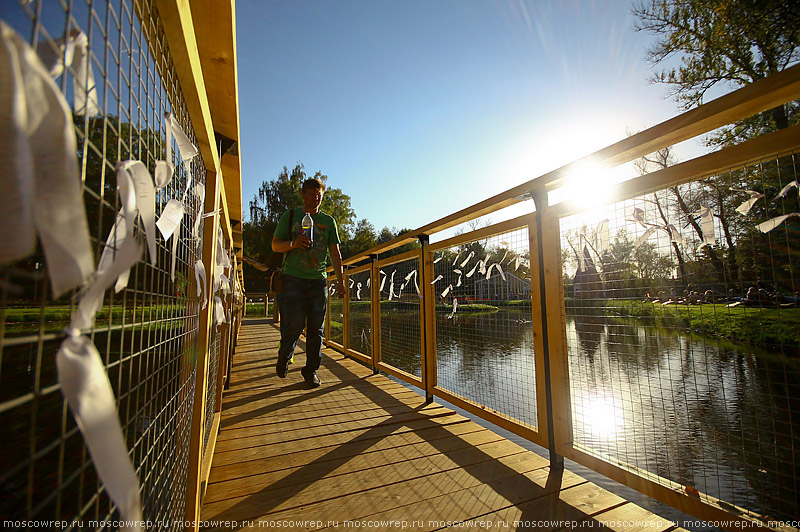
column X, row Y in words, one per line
column 412, row 325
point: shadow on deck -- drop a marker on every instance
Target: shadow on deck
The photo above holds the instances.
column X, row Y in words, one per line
column 364, row 452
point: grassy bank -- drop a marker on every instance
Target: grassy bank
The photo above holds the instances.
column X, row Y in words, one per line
column 254, row 309
column 757, row 326
column 363, row 306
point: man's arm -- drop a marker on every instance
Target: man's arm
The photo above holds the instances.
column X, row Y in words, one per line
column 282, row 246
column 336, row 258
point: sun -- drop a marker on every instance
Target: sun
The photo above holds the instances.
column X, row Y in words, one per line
column 588, row 186
column 574, row 137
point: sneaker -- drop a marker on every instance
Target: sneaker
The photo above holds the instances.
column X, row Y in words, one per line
column 313, row 380
column 282, row 367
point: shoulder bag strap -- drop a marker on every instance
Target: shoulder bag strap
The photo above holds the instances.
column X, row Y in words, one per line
column 291, row 221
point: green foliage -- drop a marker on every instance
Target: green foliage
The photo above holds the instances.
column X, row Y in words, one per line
column 757, row 326
column 363, row 239
column 56, row 317
column 254, row 309
column 721, row 42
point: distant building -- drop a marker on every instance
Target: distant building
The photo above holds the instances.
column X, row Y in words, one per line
column 587, row 282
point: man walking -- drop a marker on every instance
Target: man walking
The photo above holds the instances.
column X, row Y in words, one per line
column 304, row 298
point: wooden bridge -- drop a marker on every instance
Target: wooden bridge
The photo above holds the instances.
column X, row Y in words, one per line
column 364, row 452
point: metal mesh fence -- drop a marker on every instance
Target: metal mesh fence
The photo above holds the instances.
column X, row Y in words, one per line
column 400, row 315
column 360, row 324
column 211, row 384
column 335, row 315
column 683, row 332
column 484, row 328
column 146, row 334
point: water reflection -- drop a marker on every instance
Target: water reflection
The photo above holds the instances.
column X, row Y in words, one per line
column 489, row 359
column 702, row 413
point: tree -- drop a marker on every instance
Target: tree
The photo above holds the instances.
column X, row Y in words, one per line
column 729, row 43
column 363, row 238
column 723, row 42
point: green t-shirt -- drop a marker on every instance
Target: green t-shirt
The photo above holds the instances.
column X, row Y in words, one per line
column 308, row 263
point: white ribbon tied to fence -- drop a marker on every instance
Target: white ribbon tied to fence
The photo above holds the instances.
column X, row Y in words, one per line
column 41, row 188
column 41, row 192
column 72, row 51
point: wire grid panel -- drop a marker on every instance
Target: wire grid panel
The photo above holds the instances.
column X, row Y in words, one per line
column 400, row 308
column 484, row 327
column 211, row 385
column 683, row 333
column 360, row 323
column 335, row 314
column 146, row 334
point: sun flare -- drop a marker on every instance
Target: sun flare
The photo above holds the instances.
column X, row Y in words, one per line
column 589, row 185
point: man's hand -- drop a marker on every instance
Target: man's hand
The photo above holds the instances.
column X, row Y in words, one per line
column 340, row 288
column 301, row 242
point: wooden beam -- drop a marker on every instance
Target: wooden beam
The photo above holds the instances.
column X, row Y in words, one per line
column 759, row 149
column 215, row 27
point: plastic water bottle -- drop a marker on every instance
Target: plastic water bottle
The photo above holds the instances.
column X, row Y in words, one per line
column 307, row 226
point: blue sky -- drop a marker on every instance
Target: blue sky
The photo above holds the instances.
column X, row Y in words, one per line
column 419, row 108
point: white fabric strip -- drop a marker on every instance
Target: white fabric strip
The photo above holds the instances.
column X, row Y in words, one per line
column 85, row 385
column 17, row 230
column 43, row 190
column 643, row 238
column 185, row 146
column 145, row 199
column 745, row 207
column 674, row 234
column 127, row 255
column 219, row 311
column 603, row 233
column 170, row 218
column 707, row 222
column 175, row 238
column 73, row 51
column 771, row 224
column 163, row 174
column 225, row 284
column 200, row 275
column 169, row 223
column 785, row 190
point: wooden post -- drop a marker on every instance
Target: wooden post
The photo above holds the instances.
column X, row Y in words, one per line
column 346, row 313
column 194, row 488
column 427, row 320
column 375, row 305
column 547, row 248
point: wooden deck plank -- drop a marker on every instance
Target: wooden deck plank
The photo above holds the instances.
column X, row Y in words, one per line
column 389, row 450
column 363, row 448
